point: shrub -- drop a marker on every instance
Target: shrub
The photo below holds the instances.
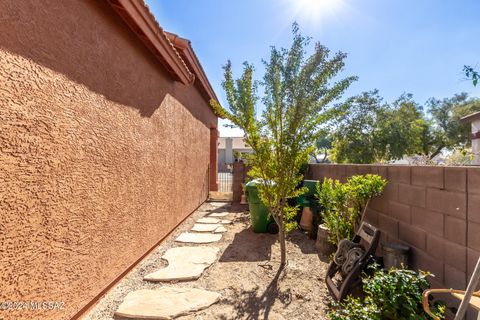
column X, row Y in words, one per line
column 344, row 205
column 390, row 295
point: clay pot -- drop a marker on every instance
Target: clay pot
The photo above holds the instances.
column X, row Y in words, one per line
column 306, row 221
column 324, row 247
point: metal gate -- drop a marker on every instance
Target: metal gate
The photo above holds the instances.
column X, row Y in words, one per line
column 225, row 180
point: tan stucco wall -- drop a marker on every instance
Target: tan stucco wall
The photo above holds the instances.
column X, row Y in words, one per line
column 101, row 154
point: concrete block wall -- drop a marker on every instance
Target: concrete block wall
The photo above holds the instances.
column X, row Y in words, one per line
column 239, row 177
column 434, row 210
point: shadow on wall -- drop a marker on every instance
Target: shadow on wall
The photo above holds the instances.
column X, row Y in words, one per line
column 89, row 43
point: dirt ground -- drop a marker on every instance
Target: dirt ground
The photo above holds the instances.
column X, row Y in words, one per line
column 246, row 274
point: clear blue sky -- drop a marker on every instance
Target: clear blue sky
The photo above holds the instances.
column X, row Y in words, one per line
column 396, row 46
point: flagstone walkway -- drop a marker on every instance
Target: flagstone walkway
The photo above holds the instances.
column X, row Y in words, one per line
column 214, row 267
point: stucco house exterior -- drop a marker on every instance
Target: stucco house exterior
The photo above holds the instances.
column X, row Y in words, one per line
column 474, row 119
column 105, row 123
column 227, row 148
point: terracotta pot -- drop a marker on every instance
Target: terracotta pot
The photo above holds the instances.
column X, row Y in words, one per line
column 307, row 219
column 324, row 247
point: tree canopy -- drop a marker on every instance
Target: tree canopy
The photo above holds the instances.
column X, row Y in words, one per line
column 298, row 99
column 374, row 131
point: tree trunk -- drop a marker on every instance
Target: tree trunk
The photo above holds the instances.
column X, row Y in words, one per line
column 283, row 248
column 325, row 155
column 436, row 152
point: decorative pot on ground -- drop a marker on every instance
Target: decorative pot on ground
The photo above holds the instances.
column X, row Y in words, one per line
column 324, row 247
column 307, row 219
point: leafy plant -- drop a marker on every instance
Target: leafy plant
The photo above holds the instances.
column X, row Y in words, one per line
column 354, row 309
column 298, row 98
column 472, row 74
column 395, row 294
column 344, row 205
column 337, row 216
column 363, row 189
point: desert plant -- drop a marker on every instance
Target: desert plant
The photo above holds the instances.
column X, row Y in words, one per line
column 298, row 101
column 363, row 189
column 344, row 204
column 395, row 294
column 336, row 215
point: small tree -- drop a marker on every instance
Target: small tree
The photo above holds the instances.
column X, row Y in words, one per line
column 297, row 100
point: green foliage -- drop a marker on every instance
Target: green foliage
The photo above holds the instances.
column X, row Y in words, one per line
column 446, row 131
column 460, row 157
column 390, row 295
column 343, row 203
column 354, row 309
column 322, row 146
column 298, row 97
column 373, row 131
column 337, row 216
column 472, row 74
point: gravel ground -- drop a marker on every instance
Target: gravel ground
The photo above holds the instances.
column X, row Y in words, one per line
column 245, row 274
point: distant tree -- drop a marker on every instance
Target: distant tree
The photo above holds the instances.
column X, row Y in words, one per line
column 322, row 148
column 373, row 131
column 355, row 138
column 400, row 128
column 297, row 99
column 445, row 130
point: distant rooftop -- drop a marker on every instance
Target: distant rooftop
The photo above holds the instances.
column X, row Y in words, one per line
column 237, row 143
column 471, row 117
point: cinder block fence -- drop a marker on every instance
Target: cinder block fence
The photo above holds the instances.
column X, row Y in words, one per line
column 433, row 210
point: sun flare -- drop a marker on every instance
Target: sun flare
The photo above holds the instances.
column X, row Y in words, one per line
column 317, row 11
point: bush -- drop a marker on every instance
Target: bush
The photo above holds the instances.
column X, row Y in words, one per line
column 390, row 295
column 343, row 205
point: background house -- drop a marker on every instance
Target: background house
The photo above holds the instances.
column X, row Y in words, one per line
column 474, row 119
column 105, row 122
column 228, row 148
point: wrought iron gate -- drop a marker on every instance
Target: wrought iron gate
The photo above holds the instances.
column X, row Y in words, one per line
column 225, row 180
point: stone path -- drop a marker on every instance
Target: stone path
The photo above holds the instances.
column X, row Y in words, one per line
column 184, row 264
column 189, row 237
column 218, row 214
column 165, row 303
column 204, row 227
column 209, row 220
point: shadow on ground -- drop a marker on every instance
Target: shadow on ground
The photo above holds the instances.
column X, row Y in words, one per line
column 249, row 246
column 302, row 241
column 253, row 305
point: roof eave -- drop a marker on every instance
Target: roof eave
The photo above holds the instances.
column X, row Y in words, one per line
column 471, row 117
column 143, row 24
column 184, row 46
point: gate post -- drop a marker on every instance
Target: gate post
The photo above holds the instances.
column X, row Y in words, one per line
column 239, row 175
column 213, row 158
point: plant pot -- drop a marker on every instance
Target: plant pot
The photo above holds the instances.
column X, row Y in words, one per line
column 324, row 247
column 307, row 219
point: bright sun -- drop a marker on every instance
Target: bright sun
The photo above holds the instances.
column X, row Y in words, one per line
column 317, row 11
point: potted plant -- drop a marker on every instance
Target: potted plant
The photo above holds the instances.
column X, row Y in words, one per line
column 343, row 206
